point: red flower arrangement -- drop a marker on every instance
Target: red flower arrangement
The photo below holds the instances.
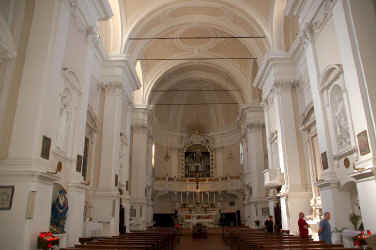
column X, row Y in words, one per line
column 46, row 240
column 361, row 239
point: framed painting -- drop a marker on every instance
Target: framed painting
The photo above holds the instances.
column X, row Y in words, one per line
column 79, row 163
column 324, row 161
column 6, row 197
column 363, row 143
column 46, row 146
column 116, row 180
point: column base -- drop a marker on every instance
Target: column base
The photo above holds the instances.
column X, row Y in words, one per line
column 106, row 205
column 292, row 204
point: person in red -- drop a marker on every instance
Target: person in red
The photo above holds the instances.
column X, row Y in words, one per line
column 303, row 226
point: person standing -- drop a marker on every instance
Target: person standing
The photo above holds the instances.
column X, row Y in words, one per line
column 303, row 226
column 325, row 232
column 269, row 224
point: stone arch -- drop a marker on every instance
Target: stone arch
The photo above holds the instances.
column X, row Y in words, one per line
column 157, row 9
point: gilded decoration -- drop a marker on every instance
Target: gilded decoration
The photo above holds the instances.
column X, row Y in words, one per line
column 197, row 157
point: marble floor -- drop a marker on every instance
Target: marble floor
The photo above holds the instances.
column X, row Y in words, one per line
column 213, row 242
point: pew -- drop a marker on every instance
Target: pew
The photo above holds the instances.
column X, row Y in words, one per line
column 152, row 239
column 254, row 239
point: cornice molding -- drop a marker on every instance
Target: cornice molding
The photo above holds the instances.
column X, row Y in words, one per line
column 118, row 69
column 88, row 12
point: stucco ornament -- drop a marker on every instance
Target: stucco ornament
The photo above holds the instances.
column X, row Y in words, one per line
column 340, row 119
column 64, row 119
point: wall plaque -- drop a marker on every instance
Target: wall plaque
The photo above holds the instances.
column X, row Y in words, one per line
column 46, row 146
column 324, row 160
column 6, row 197
column 363, row 143
column 346, row 162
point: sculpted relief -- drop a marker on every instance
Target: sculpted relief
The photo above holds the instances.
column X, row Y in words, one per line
column 65, row 117
column 340, row 119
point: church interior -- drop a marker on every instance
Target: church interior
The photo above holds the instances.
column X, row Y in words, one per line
column 183, row 124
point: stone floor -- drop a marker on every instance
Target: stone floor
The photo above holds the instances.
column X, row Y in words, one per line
column 213, row 242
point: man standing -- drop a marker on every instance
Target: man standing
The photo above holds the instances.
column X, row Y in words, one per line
column 325, row 232
column 303, row 226
column 269, row 224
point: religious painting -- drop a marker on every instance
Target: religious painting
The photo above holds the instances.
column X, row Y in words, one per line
column 324, row 161
column 363, row 143
column 197, row 161
column 46, row 145
column 6, row 197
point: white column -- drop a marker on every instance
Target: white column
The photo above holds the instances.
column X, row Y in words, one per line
column 110, row 161
column 106, row 203
column 314, row 81
column 356, row 42
column 294, row 195
column 24, row 169
column 139, row 163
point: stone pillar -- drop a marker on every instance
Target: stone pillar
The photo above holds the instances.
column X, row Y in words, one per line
column 294, row 195
column 314, row 80
column 125, row 165
column 252, row 124
column 139, row 164
column 24, row 169
column 106, row 201
column 356, row 42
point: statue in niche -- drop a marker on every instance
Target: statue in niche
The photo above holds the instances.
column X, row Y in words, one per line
column 64, row 119
column 340, row 118
column 59, row 213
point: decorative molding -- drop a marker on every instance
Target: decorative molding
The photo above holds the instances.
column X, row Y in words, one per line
column 72, row 78
column 87, row 13
column 113, row 89
column 330, row 75
column 273, row 137
column 118, row 69
column 323, row 15
column 345, row 153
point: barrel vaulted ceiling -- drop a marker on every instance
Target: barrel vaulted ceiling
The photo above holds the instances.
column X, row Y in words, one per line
column 232, row 79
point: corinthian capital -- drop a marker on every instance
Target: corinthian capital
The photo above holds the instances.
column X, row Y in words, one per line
column 283, row 84
column 255, row 126
column 113, row 89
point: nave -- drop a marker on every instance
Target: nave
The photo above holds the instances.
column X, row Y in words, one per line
column 118, row 117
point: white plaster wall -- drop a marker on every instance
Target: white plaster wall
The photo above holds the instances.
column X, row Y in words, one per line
column 231, row 160
column 367, row 201
column 12, row 70
column 19, row 232
column 327, row 46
